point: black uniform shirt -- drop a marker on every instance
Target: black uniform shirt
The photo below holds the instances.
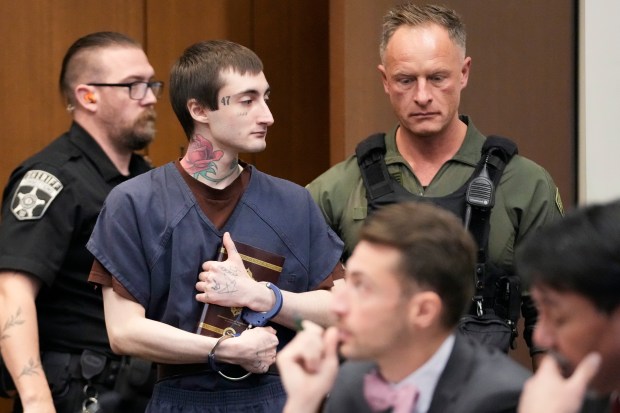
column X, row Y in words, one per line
column 49, row 210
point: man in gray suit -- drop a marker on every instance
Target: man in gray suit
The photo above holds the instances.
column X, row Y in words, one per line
column 408, row 282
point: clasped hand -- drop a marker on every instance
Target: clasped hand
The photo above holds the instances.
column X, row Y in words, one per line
column 308, row 366
column 254, row 349
column 228, row 284
column 549, row 391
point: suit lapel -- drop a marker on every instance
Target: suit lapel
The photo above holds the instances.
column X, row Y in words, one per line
column 450, row 384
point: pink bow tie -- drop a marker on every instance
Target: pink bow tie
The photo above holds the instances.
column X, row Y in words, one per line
column 381, row 395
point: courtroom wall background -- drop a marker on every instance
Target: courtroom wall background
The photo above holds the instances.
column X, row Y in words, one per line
column 291, row 37
column 320, row 57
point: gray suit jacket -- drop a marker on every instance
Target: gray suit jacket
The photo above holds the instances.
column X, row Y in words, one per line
column 476, row 379
column 596, row 405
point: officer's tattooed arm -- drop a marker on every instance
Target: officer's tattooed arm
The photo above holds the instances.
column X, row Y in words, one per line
column 19, row 341
column 32, row 366
column 12, row 321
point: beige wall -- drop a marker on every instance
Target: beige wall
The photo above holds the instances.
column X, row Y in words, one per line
column 359, row 106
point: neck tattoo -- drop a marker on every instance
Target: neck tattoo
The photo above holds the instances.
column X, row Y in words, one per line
column 235, row 169
column 202, row 162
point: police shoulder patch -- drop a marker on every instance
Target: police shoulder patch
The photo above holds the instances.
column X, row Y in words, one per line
column 35, row 193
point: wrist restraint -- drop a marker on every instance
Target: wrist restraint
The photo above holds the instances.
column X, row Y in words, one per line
column 258, row 318
column 254, row 319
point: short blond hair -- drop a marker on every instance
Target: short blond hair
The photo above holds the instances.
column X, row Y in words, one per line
column 413, row 15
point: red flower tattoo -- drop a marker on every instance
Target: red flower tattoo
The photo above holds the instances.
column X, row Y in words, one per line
column 201, row 157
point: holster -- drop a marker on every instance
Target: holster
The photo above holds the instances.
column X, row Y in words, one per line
column 508, row 297
column 123, row 385
column 136, row 375
column 495, row 309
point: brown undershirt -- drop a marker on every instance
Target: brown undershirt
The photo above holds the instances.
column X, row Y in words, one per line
column 218, row 205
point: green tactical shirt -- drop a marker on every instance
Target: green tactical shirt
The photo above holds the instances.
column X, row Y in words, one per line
column 525, row 199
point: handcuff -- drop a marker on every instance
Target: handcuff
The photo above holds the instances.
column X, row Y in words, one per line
column 253, row 319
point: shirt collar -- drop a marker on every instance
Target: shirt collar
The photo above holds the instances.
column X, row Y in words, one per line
column 426, row 377
column 91, row 150
column 468, row 153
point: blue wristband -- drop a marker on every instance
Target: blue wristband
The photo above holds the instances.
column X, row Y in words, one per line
column 259, row 319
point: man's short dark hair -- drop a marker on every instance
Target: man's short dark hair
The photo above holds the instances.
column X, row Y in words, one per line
column 437, row 252
column 197, row 75
column 579, row 254
column 77, row 61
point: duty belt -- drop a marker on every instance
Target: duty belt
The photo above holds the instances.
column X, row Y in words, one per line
column 89, row 365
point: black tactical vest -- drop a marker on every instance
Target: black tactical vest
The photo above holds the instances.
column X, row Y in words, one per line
column 496, row 291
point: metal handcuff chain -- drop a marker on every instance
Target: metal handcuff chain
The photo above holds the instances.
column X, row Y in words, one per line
column 253, row 319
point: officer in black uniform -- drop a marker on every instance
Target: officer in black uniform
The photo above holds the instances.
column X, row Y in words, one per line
column 52, row 331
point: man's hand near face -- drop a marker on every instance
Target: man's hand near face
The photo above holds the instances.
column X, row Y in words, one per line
column 548, row 391
column 308, row 366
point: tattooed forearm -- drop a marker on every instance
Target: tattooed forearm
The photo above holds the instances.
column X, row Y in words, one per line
column 14, row 320
column 31, row 368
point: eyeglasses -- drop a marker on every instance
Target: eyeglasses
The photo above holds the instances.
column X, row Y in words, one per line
column 137, row 90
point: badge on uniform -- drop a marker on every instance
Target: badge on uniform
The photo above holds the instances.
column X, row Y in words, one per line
column 35, row 193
